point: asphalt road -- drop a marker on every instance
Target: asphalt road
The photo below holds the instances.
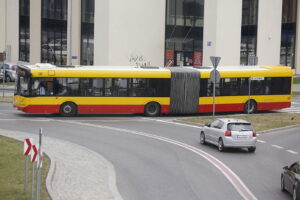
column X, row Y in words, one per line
column 167, row 167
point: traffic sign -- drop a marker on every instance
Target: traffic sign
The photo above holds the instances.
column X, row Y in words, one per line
column 215, row 61
column 215, row 76
column 27, row 146
column 34, row 153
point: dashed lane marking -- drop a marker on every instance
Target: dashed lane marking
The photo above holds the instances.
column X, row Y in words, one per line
column 276, row 146
column 292, row 152
column 261, row 141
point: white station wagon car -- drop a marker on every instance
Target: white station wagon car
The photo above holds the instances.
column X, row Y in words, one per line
column 226, row 132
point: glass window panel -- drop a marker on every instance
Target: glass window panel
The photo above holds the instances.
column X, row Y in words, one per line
column 108, row 87
column 87, row 32
column 24, row 6
column 54, row 32
column 184, row 31
column 288, row 33
column 98, row 87
column 248, row 30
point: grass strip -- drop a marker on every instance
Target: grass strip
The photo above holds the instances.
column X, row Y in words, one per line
column 260, row 122
column 12, row 172
column 296, row 94
column 296, row 80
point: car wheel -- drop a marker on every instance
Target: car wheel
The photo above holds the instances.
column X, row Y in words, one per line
column 221, row 145
column 295, row 195
column 202, row 138
column 251, row 149
column 68, row 109
column 282, row 184
column 152, row 109
column 8, row 79
column 252, row 107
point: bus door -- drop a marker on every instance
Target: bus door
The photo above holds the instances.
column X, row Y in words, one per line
column 185, row 86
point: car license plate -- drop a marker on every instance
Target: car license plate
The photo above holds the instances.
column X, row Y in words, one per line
column 242, row 136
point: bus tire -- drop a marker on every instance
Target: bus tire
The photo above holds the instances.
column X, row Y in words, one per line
column 68, row 109
column 152, row 109
column 252, row 107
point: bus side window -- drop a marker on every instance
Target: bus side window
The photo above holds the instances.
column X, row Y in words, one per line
column 203, row 87
column 98, row 87
column 151, row 92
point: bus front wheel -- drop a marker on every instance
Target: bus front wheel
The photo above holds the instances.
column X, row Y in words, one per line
column 250, row 107
column 152, row 109
column 68, row 109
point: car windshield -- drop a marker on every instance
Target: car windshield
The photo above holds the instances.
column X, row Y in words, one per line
column 239, row 127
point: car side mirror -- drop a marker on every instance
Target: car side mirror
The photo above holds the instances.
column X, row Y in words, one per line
column 286, row 168
column 207, row 124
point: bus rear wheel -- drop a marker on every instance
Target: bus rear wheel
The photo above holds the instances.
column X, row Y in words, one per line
column 250, row 107
column 68, row 109
column 152, row 109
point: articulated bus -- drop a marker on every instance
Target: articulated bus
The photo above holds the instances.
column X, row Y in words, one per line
column 70, row 90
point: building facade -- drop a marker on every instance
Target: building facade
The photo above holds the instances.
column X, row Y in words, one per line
column 156, row 32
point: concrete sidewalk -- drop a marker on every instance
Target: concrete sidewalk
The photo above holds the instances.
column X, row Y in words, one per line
column 76, row 173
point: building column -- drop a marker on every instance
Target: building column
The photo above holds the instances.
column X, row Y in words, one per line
column 35, row 31
column 101, row 32
column 222, row 31
column 3, row 25
column 297, row 50
column 12, row 30
column 209, row 30
column 75, row 35
column 269, row 32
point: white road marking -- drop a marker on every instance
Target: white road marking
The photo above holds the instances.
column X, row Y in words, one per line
column 292, row 152
column 261, row 141
column 276, row 146
column 239, row 185
column 175, row 123
column 295, row 103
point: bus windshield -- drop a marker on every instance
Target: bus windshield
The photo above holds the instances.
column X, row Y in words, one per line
column 22, row 86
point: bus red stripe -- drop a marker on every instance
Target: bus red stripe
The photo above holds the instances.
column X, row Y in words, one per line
column 273, row 106
column 91, row 109
column 240, row 107
column 140, row 108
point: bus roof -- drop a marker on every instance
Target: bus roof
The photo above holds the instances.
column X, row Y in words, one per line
column 42, row 70
column 48, row 70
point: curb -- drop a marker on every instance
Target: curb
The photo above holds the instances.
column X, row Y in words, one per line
column 259, row 132
column 278, row 129
column 76, row 172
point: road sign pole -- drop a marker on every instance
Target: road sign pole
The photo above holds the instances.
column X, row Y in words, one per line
column 32, row 181
column 3, row 70
column 25, row 173
column 214, row 94
column 38, row 187
column 249, row 92
column 215, row 61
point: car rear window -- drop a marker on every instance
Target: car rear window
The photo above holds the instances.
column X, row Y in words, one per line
column 239, row 127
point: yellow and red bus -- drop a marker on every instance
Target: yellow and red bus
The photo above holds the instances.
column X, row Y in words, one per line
column 69, row 90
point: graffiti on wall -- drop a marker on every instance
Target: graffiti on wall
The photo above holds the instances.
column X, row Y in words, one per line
column 138, row 60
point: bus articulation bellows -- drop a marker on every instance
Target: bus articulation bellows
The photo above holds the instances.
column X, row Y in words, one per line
column 70, row 90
